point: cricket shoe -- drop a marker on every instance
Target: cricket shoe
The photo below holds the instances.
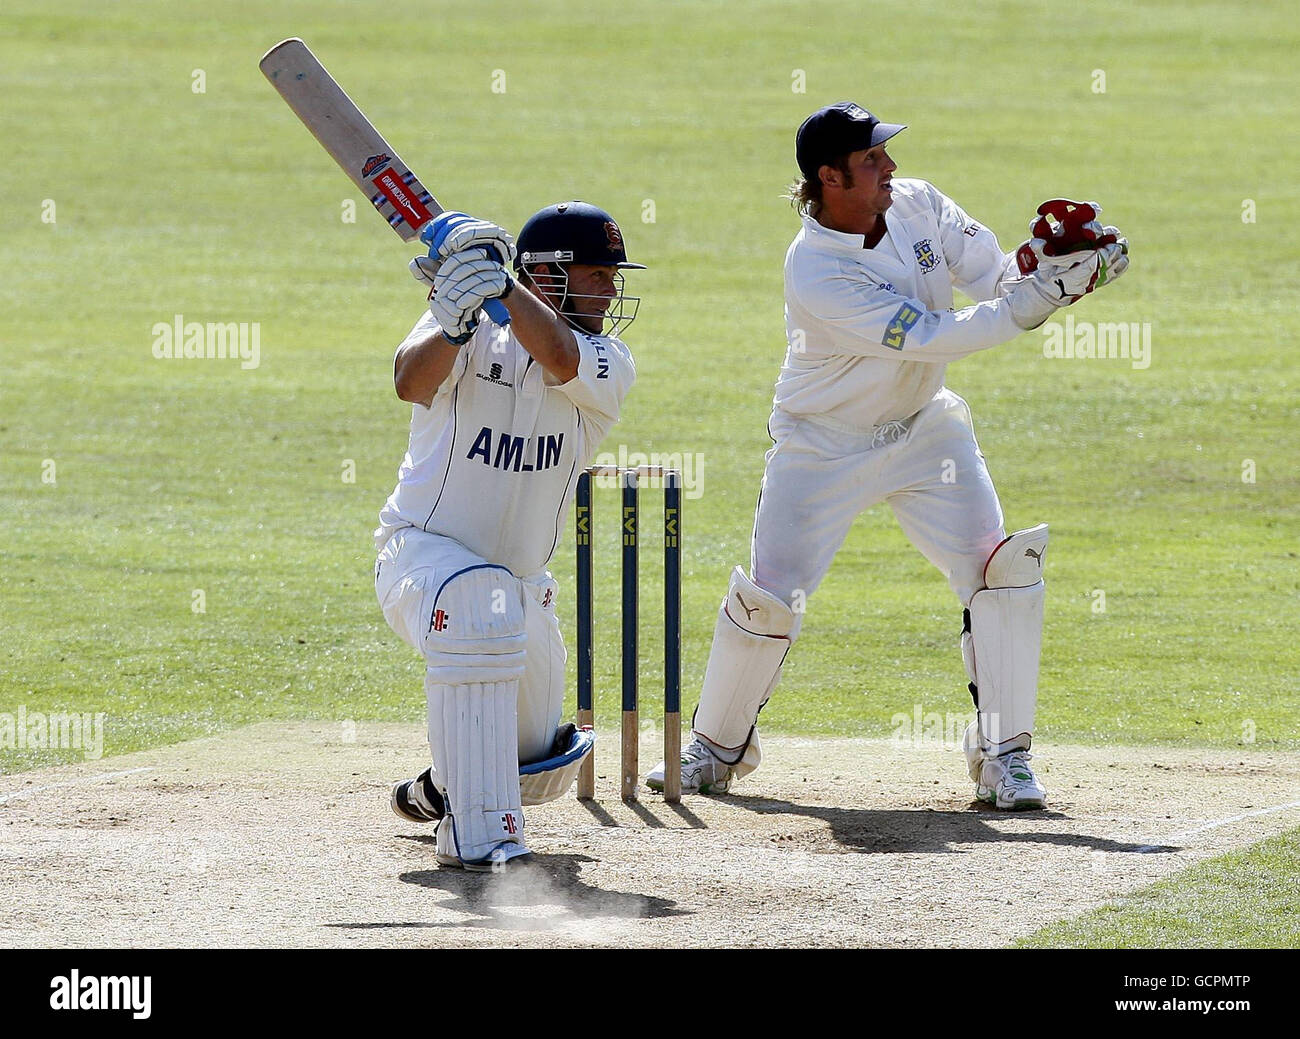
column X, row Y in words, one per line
column 1007, row 781
column 702, row 771
column 507, row 855
column 417, row 800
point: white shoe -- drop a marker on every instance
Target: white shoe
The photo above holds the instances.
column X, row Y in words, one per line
column 702, row 771
column 506, row 852
column 1009, row 782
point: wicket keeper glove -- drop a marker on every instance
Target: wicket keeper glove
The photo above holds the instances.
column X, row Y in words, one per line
column 1031, row 258
column 1062, row 229
column 1035, row 297
column 1114, row 257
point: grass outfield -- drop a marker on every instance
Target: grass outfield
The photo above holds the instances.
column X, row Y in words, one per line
column 1242, row 900
column 178, row 476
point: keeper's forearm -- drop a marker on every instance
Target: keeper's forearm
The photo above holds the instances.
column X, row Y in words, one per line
column 543, row 333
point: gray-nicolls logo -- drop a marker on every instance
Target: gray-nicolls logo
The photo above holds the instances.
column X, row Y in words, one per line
column 748, row 612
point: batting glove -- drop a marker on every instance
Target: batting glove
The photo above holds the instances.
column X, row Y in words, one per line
column 469, row 279
column 462, row 284
column 452, row 233
column 424, row 270
column 456, row 325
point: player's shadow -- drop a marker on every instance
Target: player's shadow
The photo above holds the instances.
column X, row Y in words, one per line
column 892, row 832
column 546, row 894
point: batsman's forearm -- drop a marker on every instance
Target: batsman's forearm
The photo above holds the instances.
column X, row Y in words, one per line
column 422, row 366
column 542, row 333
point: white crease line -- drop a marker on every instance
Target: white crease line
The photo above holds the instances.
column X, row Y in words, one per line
column 73, row 782
column 1220, row 822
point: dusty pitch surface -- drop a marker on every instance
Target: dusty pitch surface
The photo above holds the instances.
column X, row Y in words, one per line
column 281, row 835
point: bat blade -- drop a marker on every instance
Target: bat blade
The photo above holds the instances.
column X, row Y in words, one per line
column 350, row 138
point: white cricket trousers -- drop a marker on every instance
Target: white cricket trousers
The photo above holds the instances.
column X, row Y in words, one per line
column 414, row 564
column 818, row 479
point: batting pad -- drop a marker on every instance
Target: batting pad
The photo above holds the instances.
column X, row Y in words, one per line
column 476, row 627
column 474, row 741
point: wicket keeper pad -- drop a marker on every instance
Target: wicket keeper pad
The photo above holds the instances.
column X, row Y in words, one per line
column 1003, row 644
column 750, row 640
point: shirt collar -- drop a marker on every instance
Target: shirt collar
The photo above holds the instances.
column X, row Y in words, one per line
column 836, row 240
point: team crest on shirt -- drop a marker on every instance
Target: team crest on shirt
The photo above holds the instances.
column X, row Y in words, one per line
column 925, row 255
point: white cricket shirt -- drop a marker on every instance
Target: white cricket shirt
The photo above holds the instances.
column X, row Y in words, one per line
column 870, row 331
column 493, row 461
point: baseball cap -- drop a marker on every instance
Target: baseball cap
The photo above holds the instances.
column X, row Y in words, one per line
column 837, row 130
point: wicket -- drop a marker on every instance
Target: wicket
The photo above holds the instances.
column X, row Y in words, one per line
column 628, row 480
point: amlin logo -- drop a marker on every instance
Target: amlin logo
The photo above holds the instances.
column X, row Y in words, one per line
column 73, row 992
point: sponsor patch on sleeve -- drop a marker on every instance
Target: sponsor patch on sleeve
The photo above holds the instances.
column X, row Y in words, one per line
column 899, row 325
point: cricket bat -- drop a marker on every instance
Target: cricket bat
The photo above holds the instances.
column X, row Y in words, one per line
column 359, row 149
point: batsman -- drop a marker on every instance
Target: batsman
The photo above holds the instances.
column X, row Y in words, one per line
column 504, row 417
column 861, row 415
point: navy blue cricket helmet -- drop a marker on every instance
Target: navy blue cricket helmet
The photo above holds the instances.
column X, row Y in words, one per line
column 572, row 232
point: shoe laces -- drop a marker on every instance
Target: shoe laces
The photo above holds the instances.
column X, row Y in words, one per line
column 697, row 751
column 1017, row 761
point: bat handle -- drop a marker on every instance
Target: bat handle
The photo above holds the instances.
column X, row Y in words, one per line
column 496, row 310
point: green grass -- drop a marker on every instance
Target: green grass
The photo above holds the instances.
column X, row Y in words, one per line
column 177, row 476
column 1243, row 900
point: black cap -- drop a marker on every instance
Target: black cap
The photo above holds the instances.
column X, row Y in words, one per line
column 837, row 130
column 572, row 232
